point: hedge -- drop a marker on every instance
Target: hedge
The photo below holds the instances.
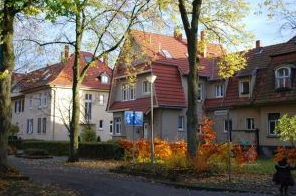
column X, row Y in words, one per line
column 57, row 148
column 95, row 150
column 101, row 150
column 16, row 143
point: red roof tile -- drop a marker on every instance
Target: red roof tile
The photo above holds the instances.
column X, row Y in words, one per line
column 168, row 86
column 61, row 74
column 142, row 104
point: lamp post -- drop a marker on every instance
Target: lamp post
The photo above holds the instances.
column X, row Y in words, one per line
column 151, row 80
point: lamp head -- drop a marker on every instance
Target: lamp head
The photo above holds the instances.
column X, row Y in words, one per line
column 151, row 78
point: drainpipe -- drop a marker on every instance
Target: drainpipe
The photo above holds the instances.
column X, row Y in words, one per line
column 54, row 113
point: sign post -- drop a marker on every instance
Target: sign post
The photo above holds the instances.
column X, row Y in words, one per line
column 133, row 118
column 223, row 113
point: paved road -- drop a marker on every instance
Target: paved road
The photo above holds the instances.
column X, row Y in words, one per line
column 90, row 182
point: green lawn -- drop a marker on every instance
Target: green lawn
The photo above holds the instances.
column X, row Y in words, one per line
column 261, row 166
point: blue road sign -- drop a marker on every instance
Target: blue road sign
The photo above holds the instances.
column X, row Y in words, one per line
column 133, row 118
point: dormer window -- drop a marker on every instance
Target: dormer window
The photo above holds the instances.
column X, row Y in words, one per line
column 104, row 79
column 167, row 54
column 283, row 77
column 219, row 90
column 244, row 87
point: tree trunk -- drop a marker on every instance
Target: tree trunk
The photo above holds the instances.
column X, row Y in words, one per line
column 192, row 79
column 191, row 29
column 74, row 125
column 5, row 83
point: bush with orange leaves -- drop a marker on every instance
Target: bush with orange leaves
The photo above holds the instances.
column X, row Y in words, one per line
column 211, row 154
column 285, row 152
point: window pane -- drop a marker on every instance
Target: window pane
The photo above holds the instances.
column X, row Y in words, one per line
column 272, row 125
column 44, row 125
column 180, row 122
column 273, row 116
column 245, row 87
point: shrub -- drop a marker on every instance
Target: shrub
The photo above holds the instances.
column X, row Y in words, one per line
column 18, row 144
column 13, row 129
column 88, row 135
column 36, row 152
column 52, row 147
column 100, row 150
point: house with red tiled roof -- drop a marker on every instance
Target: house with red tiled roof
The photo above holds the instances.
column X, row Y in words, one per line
column 256, row 96
column 41, row 99
column 166, row 58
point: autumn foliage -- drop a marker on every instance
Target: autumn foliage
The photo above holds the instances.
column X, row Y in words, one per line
column 210, row 153
column 285, row 152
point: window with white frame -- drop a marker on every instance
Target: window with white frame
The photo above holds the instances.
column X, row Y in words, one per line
column 226, row 125
column 44, row 100
column 29, row 126
column 44, row 125
column 244, row 87
column 219, row 90
column 88, row 107
column 200, row 89
column 181, row 123
column 19, row 106
column 101, row 124
column 111, row 127
column 146, row 87
column 101, row 99
column 104, row 79
column 132, row 91
column 31, row 103
column 250, row 124
column 124, row 92
column 117, row 125
column 40, row 101
column 39, row 125
column 283, row 77
column 272, row 122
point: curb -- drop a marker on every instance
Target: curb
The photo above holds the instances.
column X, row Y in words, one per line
column 179, row 185
column 202, row 188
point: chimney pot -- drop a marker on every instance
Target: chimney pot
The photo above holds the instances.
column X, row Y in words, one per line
column 258, row 44
column 67, row 52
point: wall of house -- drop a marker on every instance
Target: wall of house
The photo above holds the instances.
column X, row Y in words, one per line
column 117, row 88
column 211, row 89
column 57, row 114
column 260, row 115
column 35, row 112
column 166, row 124
column 63, row 103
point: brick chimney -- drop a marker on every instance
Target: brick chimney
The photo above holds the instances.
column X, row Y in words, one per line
column 67, row 52
column 178, row 34
column 258, row 44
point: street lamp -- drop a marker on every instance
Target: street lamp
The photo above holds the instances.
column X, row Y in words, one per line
column 151, row 80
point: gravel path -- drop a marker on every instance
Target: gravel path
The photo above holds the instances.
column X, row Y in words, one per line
column 98, row 182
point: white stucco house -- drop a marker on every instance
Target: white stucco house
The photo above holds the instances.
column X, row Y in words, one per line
column 41, row 100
